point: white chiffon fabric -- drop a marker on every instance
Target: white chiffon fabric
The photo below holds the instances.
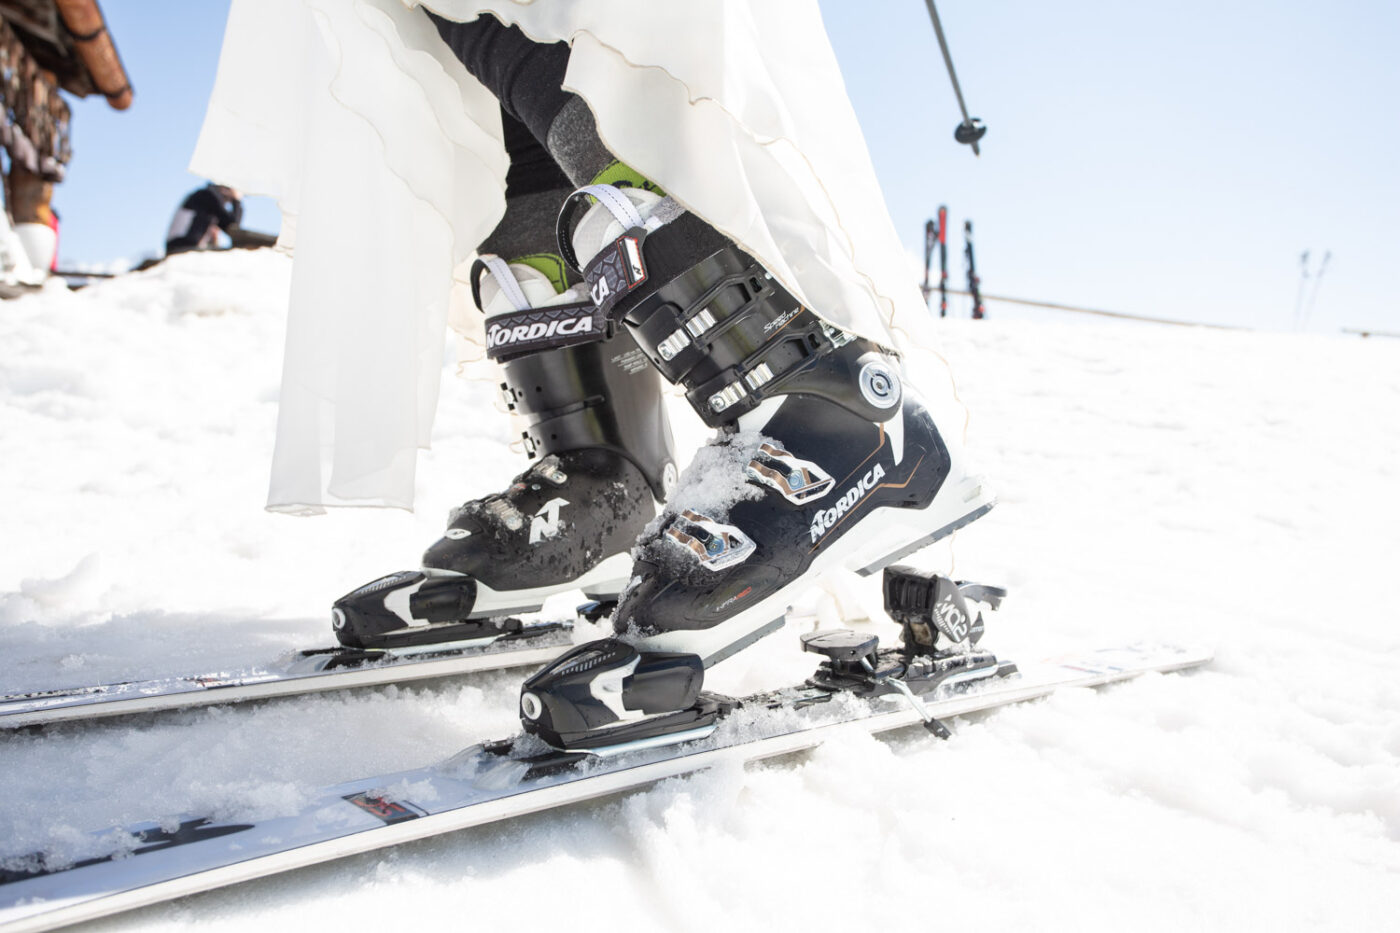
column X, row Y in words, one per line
column 386, row 159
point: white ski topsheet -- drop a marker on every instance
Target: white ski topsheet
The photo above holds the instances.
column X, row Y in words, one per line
column 473, row 788
column 295, row 675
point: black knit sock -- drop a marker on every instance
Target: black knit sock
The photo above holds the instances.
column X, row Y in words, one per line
column 535, row 190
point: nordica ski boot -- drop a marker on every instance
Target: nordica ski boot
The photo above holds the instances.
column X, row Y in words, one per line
column 597, row 426
column 823, row 460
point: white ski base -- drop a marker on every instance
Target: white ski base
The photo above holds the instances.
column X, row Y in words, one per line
column 477, row 787
column 296, row 675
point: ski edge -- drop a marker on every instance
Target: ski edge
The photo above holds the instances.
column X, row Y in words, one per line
column 219, row 693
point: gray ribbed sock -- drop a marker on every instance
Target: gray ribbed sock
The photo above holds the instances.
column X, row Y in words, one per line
column 574, row 143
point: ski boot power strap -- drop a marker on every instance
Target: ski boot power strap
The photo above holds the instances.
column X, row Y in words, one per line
column 724, row 328
column 526, row 329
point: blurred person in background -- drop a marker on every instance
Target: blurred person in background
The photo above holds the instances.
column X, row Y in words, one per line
column 202, row 216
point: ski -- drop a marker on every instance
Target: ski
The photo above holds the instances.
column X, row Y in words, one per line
column 177, row 856
column 513, row 643
column 942, row 260
column 974, row 282
column 936, row 240
column 930, row 245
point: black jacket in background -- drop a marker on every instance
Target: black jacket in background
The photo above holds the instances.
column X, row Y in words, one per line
column 193, row 223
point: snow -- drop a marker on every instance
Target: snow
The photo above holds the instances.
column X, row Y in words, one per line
column 1175, row 484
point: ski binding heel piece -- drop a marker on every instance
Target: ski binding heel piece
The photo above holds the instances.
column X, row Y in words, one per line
column 926, row 604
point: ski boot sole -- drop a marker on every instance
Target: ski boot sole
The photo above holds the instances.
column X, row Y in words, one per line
column 380, row 615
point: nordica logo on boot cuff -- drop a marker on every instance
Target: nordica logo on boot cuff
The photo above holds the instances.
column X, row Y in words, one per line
column 504, row 335
column 530, row 331
column 826, row 519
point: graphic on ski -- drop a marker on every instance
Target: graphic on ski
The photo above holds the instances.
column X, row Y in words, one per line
column 498, row 780
column 515, row 643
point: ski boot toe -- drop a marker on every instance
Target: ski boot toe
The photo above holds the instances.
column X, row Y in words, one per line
column 565, row 524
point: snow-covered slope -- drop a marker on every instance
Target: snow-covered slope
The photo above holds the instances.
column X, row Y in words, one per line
column 1164, row 483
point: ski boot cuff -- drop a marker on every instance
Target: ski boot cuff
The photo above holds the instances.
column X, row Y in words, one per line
column 716, row 322
column 607, row 226
column 576, row 383
column 728, row 332
column 535, row 323
column 594, row 395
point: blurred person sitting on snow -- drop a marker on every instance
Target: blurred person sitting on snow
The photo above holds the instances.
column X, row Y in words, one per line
column 636, row 189
column 202, row 216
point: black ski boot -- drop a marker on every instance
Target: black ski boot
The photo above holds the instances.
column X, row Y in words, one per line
column 822, row 460
column 597, row 426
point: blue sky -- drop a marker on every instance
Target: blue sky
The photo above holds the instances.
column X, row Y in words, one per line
column 1161, row 160
column 128, row 171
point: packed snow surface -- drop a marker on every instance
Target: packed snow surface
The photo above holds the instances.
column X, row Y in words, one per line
column 1172, row 484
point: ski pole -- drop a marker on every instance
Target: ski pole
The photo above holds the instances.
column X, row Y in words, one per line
column 1302, row 286
column 970, row 130
column 1317, row 283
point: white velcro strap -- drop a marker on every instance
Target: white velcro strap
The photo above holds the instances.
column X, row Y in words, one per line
column 666, row 210
column 617, row 203
column 506, row 280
